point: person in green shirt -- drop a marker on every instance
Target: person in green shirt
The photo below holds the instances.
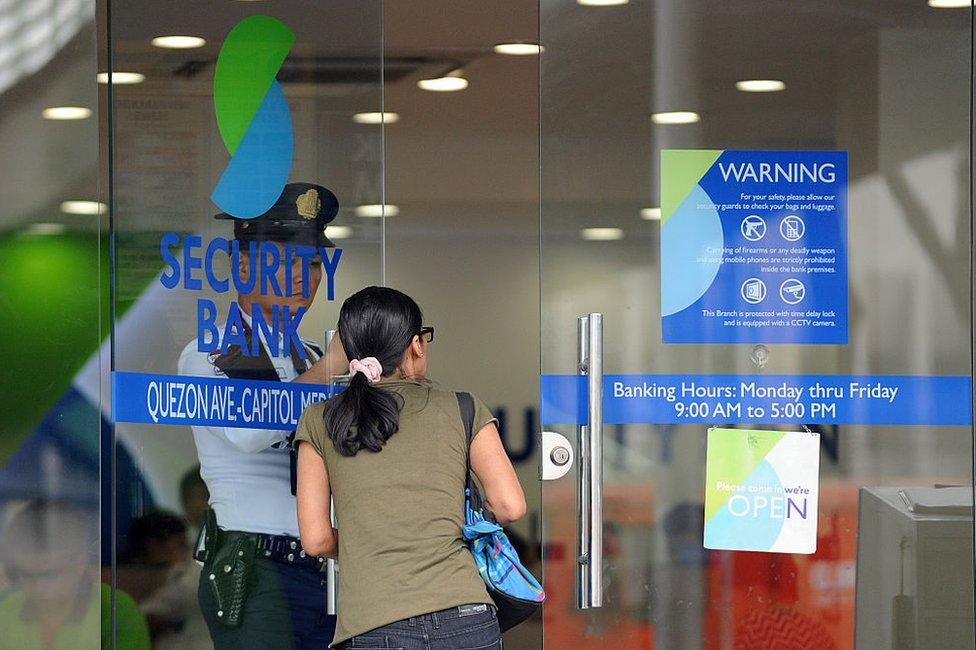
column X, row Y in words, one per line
column 49, row 555
column 392, row 450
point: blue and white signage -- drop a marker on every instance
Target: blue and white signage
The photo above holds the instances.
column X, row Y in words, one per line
column 754, row 246
column 211, row 401
column 763, row 399
column 627, row 399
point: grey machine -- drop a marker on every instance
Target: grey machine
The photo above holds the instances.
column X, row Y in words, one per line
column 915, row 568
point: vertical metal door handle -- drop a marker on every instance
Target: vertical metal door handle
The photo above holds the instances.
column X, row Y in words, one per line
column 331, row 566
column 589, row 499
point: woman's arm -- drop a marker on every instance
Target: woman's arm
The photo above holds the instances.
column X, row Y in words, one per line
column 314, row 495
column 503, row 492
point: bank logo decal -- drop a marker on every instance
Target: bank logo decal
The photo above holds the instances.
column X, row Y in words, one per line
column 253, row 117
column 761, row 490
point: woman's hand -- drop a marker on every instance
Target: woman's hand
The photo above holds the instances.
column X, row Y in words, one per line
column 314, row 496
column 330, row 365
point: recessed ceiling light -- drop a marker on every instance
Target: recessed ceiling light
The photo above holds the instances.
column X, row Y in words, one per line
column 450, row 82
column 950, row 4
column 676, row 117
column 760, row 85
column 45, row 229
column 601, row 3
column 377, row 210
column 602, row 234
column 121, row 78
column 651, row 214
column 179, row 42
column 376, row 118
column 66, row 113
column 338, row 232
column 83, row 207
column 518, row 49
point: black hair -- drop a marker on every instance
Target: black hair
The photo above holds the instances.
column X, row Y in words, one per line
column 189, row 481
column 373, row 322
column 157, row 525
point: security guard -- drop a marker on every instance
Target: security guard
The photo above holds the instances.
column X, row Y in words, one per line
column 258, row 587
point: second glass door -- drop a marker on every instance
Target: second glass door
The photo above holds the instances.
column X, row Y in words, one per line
column 639, row 92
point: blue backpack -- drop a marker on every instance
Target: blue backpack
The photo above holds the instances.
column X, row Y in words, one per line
column 515, row 591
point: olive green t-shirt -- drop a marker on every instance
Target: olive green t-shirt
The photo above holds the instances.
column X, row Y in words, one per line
column 400, row 512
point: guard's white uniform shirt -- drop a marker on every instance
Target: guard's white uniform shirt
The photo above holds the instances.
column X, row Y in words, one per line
column 246, row 470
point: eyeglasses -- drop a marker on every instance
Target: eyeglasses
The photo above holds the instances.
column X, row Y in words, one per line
column 428, row 333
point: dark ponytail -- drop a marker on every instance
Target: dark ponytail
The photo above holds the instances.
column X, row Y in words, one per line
column 374, row 322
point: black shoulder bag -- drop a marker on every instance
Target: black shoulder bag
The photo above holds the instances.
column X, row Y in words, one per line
column 515, row 591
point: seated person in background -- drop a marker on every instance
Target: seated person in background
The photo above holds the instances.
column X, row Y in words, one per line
column 193, row 633
column 151, row 567
column 49, row 551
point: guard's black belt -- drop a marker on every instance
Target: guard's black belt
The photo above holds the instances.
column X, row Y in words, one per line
column 283, row 548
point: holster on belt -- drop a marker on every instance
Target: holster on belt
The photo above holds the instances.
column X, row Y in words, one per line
column 230, row 562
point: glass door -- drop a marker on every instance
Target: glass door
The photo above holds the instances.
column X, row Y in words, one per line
column 52, row 289
column 247, row 204
column 763, row 212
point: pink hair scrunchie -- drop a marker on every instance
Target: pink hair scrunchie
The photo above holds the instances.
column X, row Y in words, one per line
column 369, row 366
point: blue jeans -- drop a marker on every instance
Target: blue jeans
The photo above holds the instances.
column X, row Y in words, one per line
column 468, row 627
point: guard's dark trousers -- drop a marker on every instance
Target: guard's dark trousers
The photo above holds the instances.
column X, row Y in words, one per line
column 285, row 608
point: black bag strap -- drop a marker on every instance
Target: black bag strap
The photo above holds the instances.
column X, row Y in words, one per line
column 466, row 407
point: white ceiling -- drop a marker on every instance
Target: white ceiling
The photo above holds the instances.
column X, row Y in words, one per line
column 603, row 72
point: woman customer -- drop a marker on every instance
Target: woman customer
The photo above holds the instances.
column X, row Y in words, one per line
column 391, row 450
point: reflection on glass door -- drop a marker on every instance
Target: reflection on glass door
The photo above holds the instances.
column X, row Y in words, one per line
column 775, row 228
column 241, row 169
column 52, row 289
